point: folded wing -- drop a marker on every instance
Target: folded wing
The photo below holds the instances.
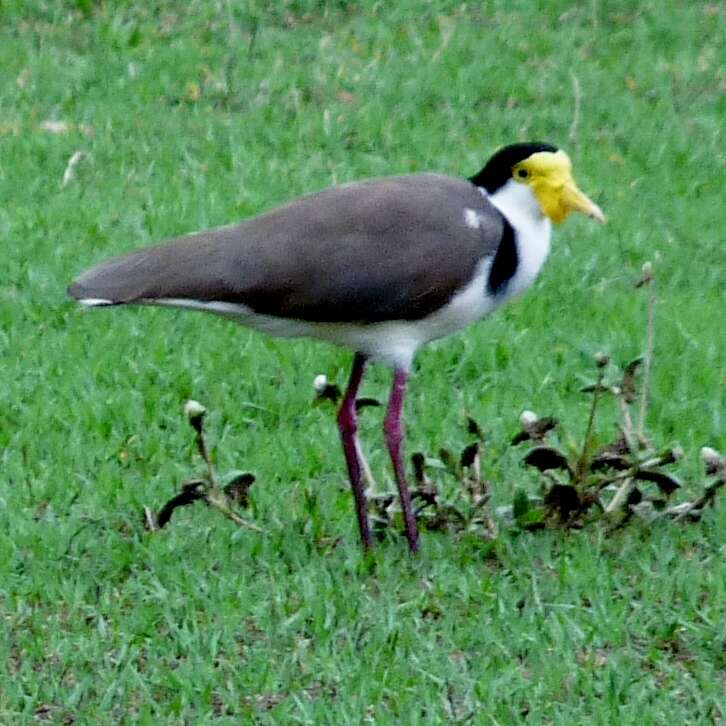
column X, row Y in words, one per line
column 391, row 249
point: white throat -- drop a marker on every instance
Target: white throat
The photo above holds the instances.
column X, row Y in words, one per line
column 532, row 231
column 517, row 200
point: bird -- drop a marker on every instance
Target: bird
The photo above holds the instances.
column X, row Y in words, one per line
column 381, row 266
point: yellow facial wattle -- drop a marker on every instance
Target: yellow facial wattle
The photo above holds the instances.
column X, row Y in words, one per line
column 549, row 174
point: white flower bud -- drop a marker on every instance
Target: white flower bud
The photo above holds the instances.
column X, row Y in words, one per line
column 712, row 460
column 320, row 383
column 194, row 409
column 601, row 359
column 528, row 418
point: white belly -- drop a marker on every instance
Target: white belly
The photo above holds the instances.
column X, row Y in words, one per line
column 395, row 342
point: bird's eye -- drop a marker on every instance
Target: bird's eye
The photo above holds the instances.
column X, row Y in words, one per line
column 522, row 173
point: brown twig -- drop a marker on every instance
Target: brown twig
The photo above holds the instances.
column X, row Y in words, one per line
column 204, row 452
column 582, row 461
column 215, row 497
column 372, row 488
column 150, row 520
column 627, row 427
column 708, row 497
column 648, row 280
column 621, row 496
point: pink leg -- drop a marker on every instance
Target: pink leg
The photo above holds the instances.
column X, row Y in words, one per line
column 348, row 427
column 393, row 429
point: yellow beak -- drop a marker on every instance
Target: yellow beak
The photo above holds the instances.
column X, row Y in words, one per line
column 573, row 200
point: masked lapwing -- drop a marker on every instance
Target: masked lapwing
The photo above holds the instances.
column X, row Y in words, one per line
column 381, row 266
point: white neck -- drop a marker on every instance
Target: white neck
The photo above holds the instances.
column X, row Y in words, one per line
column 532, row 229
column 517, row 200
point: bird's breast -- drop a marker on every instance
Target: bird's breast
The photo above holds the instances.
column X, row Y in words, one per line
column 532, row 238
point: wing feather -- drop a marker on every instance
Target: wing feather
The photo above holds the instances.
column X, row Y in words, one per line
column 390, row 249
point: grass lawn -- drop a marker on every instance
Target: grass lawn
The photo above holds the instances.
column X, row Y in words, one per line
column 199, row 113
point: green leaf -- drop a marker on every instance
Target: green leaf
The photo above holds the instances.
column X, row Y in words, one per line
column 545, row 458
column 533, row 519
column 449, row 460
column 520, row 504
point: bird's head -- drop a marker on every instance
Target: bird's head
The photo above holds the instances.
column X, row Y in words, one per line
column 546, row 171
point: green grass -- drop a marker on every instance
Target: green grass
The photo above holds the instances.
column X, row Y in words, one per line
column 199, row 113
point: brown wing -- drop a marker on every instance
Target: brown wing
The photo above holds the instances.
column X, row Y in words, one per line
column 391, row 249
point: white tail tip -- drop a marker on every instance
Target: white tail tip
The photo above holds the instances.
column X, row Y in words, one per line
column 94, row 302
